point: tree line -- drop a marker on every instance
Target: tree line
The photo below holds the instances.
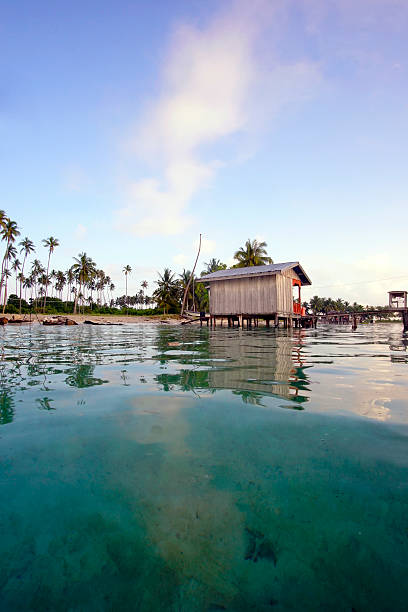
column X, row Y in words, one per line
column 85, row 287
column 322, row 306
column 43, row 289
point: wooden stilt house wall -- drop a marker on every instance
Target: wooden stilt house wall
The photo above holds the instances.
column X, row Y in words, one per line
column 256, row 291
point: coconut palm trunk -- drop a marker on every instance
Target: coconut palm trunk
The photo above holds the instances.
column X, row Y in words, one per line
column 21, row 280
column 46, row 285
column 50, row 243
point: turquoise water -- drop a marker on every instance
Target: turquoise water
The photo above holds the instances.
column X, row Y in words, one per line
column 153, row 468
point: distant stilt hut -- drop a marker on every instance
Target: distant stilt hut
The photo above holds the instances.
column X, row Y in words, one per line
column 271, row 292
column 398, row 299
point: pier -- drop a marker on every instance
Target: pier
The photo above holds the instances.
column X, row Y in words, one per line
column 345, row 318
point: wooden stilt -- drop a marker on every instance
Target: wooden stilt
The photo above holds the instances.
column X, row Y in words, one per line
column 405, row 320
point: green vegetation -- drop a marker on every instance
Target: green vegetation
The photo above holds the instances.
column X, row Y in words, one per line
column 322, row 305
column 252, row 254
column 89, row 289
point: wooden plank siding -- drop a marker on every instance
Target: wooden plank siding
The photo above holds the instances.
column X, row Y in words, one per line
column 243, row 296
column 259, row 295
column 284, row 294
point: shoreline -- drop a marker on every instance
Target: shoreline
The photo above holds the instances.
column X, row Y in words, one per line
column 98, row 318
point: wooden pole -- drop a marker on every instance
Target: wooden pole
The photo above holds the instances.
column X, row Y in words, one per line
column 189, row 280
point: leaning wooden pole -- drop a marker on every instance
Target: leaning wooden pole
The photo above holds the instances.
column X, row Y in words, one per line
column 189, row 280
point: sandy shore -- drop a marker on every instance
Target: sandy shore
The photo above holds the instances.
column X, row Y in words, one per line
column 79, row 318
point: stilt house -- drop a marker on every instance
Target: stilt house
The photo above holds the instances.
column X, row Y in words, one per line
column 270, row 292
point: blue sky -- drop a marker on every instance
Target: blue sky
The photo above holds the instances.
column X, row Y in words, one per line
column 127, row 128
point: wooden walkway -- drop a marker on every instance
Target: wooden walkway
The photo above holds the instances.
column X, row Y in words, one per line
column 344, row 318
column 301, row 321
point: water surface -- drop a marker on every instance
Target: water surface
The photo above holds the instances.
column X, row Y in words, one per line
column 154, row 468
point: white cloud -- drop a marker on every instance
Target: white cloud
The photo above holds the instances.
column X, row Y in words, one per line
column 215, row 84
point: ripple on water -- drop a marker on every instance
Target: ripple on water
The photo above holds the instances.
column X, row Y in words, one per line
column 163, row 468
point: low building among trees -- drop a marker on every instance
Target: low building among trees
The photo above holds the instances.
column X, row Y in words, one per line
column 271, row 292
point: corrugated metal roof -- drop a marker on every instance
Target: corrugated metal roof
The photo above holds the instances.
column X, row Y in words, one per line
column 258, row 271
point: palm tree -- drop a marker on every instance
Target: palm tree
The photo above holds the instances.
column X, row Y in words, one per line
column 316, row 304
column 36, row 271
column 252, row 254
column 3, row 219
column 53, row 278
column 7, row 275
column 27, row 246
column 60, row 283
column 9, row 232
column 185, row 277
column 10, row 253
column 51, row 243
column 27, row 284
column 213, row 266
column 100, row 284
column 144, row 285
column 70, row 276
column 168, row 290
column 44, row 282
column 15, row 266
column 111, row 289
column 127, row 270
column 84, row 269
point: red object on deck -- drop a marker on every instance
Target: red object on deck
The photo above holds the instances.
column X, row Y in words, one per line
column 297, row 304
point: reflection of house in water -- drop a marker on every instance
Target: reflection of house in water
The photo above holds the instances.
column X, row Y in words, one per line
column 272, row 368
column 250, row 365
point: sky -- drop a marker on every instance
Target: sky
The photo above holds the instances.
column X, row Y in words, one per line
column 128, row 128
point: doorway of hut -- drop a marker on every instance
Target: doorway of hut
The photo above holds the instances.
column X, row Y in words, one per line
column 296, row 297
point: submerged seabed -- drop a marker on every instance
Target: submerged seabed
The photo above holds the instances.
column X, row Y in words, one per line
column 164, row 468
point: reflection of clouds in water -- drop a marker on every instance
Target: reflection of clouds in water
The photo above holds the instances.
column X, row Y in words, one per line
column 375, row 409
column 236, row 502
column 189, row 522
